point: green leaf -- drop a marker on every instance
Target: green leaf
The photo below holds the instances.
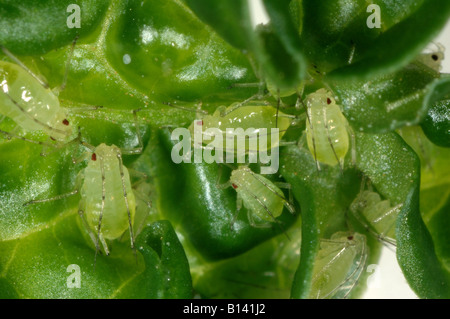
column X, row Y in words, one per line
column 387, row 102
column 324, row 197
column 340, row 42
column 275, row 46
column 190, row 198
column 264, row 272
column 394, row 169
column 48, row 264
column 436, row 124
column 39, row 27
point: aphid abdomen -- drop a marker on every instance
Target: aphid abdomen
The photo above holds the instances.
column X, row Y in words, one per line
column 377, row 213
column 338, row 266
column 326, row 133
column 114, row 220
column 29, row 104
column 259, row 195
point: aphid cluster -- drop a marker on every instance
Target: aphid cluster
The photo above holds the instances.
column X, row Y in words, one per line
column 107, row 202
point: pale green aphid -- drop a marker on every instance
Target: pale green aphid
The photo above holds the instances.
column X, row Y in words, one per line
column 376, row 215
column 239, row 121
column 326, row 129
column 338, row 265
column 262, row 198
column 108, row 204
column 30, row 103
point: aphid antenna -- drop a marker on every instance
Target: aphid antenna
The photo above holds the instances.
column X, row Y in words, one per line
column 66, row 72
column 11, row 135
column 61, row 196
column 184, row 108
column 23, row 66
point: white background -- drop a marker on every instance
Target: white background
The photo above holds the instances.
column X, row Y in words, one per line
column 386, row 280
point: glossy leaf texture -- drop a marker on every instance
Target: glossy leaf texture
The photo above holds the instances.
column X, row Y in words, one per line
column 324, row 197
column 344, row 40
column 275, row 47
column 385, row 103
column 140, row 69
column 208, row 218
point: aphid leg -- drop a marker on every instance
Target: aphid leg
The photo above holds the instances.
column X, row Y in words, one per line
column 140, row 148
column 289, row 204
column 252, row 222
column 74, row 192
column 308, row 118
column 143, row 197
column 227, row 184
column 23, row 66
column 325, row 122
column 86, row 226
column 238, row 209
column 353, row 142
column 9, row 136
column 241, row 104
column 125, row 196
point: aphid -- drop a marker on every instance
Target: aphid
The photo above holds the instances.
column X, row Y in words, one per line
column 327, row 130
column 434, row 58
column 338, row 265
column 376, row 215
column 238, row 122
column 30, row 103
column 262, row 198
column 107, row 205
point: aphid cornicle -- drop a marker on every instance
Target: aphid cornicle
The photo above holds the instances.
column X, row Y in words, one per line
column 30, row 103
column 262, row 198
column 326, row 129
column 376, row 215
column 339, row 263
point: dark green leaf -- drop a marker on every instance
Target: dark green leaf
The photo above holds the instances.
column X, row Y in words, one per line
column 340, row 42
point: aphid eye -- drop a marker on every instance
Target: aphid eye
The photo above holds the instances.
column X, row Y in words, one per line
column 65, row 122
column 94, row 157
column 234, row 186
column 52, row 138
column 350, row 237
column 328, row 101
column 435, row 57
